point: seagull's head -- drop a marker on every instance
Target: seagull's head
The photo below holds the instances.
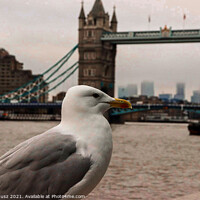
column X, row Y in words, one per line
column 87, row 99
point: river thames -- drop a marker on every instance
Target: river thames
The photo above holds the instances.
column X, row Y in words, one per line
column 150, row 161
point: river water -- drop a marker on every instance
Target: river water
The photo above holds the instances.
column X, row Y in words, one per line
column 149, row 162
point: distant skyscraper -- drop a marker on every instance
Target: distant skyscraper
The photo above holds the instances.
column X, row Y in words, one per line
column 180, row 91
column 147, row 88
column 195, row 98
column 122, row 91
column 132, row 90
column 165, row 97
column 127, row 91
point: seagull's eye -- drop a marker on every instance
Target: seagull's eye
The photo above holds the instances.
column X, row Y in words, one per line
column 95, row 95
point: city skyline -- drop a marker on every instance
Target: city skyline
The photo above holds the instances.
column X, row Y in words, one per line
column 179, row 88
column 38, row 34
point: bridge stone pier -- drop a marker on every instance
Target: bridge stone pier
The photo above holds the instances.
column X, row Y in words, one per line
column 97, row 58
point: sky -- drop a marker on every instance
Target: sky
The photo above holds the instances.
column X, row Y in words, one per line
column 40, row 32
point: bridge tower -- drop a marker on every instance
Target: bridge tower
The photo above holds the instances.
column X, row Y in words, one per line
column 97, row 58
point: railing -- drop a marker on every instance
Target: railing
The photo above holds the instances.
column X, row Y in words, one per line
column 161, row 36
column 29, row 105
column 146, row 107
column 138, row 106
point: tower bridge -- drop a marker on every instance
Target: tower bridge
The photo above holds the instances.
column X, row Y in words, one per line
column 98, row 40
column 97, row 46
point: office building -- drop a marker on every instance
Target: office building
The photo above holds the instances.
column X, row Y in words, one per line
column 122, row 92
column 127, row 91
column 195, row 98
column 147, row 88
column 165, row 97
column 59, row 97
column 180, row 91
column 13, row 76
column 132, row 90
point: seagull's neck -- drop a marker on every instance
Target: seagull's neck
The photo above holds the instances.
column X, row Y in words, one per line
column 82, row 120
column 76, row 117
column 88, row 127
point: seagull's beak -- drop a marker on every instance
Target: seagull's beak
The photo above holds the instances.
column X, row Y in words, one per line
column 120, row 103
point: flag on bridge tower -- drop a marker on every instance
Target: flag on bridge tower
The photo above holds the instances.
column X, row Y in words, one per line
column 149, row 19
column 184, row 17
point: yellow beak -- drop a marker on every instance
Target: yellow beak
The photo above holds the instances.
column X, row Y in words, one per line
column 120, row 103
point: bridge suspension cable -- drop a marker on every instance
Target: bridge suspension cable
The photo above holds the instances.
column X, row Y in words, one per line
column 41, row 90
column 38, row 85
column 58, row 84
column 65, row 60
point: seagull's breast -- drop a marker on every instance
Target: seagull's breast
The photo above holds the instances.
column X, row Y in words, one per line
column 93, row 140
column 93, row 135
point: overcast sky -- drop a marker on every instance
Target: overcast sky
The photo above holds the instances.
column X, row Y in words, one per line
column 40, row 32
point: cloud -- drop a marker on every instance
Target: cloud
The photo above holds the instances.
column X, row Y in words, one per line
column 40, row 32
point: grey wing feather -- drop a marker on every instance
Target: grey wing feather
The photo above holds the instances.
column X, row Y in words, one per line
column 45, row 164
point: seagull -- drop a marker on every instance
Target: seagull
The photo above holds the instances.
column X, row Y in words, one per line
column 70, row 159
